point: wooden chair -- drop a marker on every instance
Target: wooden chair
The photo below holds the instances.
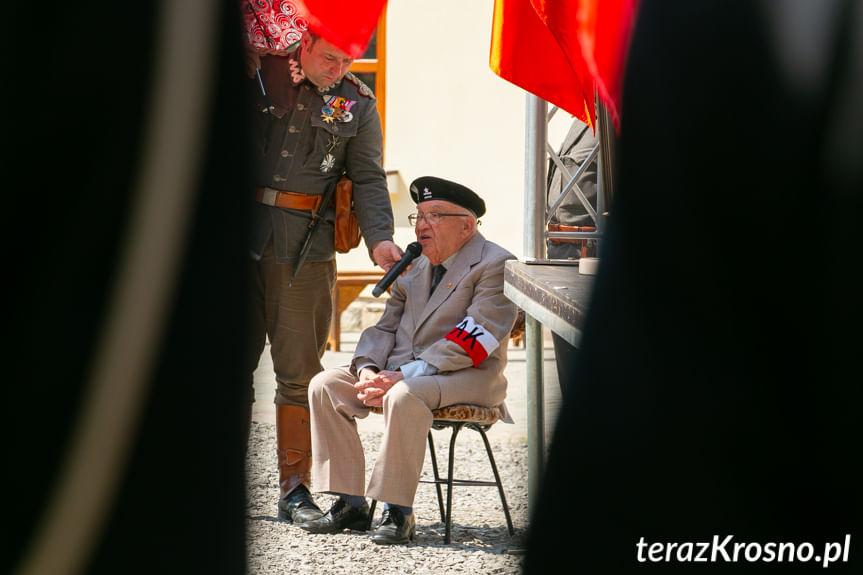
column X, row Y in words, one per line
column 456, row 417
column 516, row 335
column 349, row 285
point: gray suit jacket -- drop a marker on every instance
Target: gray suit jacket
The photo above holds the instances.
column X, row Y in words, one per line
column 416, row 326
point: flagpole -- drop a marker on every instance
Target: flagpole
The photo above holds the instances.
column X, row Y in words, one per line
column 534, row 247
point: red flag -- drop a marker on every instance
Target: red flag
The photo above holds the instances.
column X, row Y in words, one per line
column 346, row 24
column 604, row 33
column 525, row 52
column 592, row 38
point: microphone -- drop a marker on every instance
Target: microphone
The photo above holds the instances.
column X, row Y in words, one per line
column 413, row 251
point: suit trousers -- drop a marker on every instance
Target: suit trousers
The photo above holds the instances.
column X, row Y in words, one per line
column 338, row 460
column 295, row 318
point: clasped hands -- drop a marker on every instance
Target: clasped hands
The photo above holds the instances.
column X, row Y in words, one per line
column 372, row 385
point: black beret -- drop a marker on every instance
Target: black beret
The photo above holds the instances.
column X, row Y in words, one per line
column 429, row 188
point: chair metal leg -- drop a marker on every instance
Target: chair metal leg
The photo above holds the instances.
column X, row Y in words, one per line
column 496, row 477
column 447, row 534
column 446, row 513
column 436, row 478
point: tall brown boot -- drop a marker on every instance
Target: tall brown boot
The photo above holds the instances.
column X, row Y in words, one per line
column 294, row 447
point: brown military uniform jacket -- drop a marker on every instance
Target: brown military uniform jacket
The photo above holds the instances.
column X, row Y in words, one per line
column 305, row 145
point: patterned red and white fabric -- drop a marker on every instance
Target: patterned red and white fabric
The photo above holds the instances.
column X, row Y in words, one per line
column 273, row 26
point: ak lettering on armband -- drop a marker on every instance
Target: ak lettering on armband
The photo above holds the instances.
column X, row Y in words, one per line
column 474, row 339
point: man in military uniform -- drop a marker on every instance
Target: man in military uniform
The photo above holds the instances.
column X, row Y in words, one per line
column 320, row 123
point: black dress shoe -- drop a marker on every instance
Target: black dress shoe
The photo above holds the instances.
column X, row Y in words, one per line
column 396, row 528
column 340, row 516
column 298, row 506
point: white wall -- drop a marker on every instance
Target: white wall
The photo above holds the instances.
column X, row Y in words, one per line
column 449, row 115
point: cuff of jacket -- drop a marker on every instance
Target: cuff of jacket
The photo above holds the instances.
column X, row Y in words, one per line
column 416, row 368
column 370, row 242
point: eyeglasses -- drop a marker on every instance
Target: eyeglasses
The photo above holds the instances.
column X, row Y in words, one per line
column 431, row 218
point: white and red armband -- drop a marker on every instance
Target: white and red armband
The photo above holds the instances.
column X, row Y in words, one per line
column 473, row 339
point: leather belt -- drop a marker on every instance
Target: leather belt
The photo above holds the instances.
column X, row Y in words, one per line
column 292, row 200
column 564, row 228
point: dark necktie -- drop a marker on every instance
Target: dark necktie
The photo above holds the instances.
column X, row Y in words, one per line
column 437, row 273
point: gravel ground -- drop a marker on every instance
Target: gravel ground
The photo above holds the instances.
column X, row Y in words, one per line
column 480, row 541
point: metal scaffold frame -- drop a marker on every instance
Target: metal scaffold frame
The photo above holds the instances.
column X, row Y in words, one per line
column 537, row 216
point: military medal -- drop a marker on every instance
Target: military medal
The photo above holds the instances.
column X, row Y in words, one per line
column 329, row 160
column 328, row 114
column 327, row 163
column 337, row 108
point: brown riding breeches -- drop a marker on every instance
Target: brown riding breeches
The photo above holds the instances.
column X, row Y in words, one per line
column 296, row 320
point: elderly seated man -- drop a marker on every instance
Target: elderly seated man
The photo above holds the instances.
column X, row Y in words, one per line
column 442, row 340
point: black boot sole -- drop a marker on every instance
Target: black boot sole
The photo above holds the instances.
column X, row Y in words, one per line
column 385, row 541
column 285, row 515
column 358, row 525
